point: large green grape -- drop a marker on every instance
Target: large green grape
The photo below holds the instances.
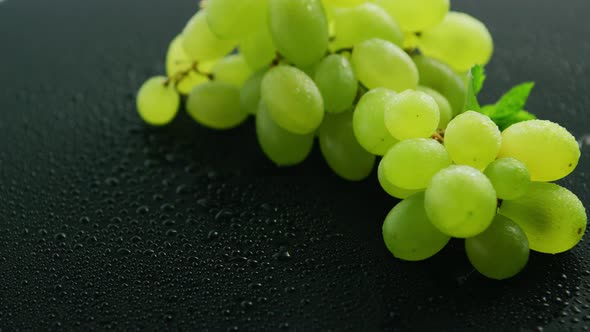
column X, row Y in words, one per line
column 250, row 92
column 547, row 149
column 369, row 121
column 408, row 234
column 552, row 217
column 282, row 147
column 380, row 63
column 510, row 177
column 444, row 108
column 257, row 48
column 157, row 102
column 410, row 164
column 416, row 15
column 460, row 201
column 232, row 69
column 341, row 150
column 389, row 188
column 335, row 78
column 501, row 251
column 232, row 19
column 356, row 24
column 200, row 43
column 473, row 139
column 459, row 40
column 292, row 99
column 412, row 114
column 216, row 105
column 299, row 30
column 440, row 77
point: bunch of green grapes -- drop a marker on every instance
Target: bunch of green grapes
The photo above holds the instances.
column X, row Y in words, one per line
column 387, row 83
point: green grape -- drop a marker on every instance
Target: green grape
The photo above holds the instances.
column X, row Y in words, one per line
column 299, row 30
column 157, row 102
column 473, row 139
column 335, row 78
column 200, row 44
column 444, row 108
column 341, row 150
column 280, row 146
column 216, row 105
column 501, row 251
column 459, row 40
column 250, row 92
column 380, row 63
column 232, row 69
column 369, row 121
column 177, row 62
column 257, row 48
column 416, row 15
column 412, row 114
column 410, row 164
column 408, row 234
column 356, row 24
column 510, row 177
column 232, row 19
column 292, row 99
column 343, row 3
column 552, row 217
column 548, row 150
column 460, row 201
column 440, row 77
column 389, row 188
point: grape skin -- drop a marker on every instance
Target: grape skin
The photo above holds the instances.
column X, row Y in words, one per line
column 157, row 102
column 389, row 188
column 510, row 178
column 335, row 78
column 216, row 105
column 444, row 108
column 416, row 15
column 200, row 44
column 369, row 121
column 412, row 114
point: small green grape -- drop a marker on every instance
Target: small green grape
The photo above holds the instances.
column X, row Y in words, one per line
column 552, row 217
column 216, row 105
column 460, row 201
column 547, row 149
column 258, row 49
column 444, row 108
column 473, row 139
column 335, row 78
column 292, row 99
column 510, row 177
column 200, row 44
column 410, row 164
column 232, row 69
column 345, row 156
column 356, row 24
column 299, row 30
column 408, row 233
column 380, row 63
column 459, row 40
column 232, row 19
column 280, row 146
column 157, row 102
column 412, row 114
column 501, row 251
column 369, row 121
column 250, row 92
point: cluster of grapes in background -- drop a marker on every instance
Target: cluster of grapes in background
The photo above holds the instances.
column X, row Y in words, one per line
column 390, row 79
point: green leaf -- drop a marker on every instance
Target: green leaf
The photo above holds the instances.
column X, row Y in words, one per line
column 514, row 100
column 477, row 77
column 519, row 116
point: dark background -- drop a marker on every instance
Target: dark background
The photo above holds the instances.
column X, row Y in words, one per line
column 108, row 224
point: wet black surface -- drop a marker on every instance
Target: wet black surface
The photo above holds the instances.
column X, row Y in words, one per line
column 108, row 224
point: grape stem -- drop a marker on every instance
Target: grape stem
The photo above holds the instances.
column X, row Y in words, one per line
column 278, row 57
column 343, row 50
column 439, row 136
column 179, row 76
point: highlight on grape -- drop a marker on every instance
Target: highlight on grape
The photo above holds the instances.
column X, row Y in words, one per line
column 391, row 84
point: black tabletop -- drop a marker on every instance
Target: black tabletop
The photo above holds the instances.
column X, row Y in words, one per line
column 108, row 224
